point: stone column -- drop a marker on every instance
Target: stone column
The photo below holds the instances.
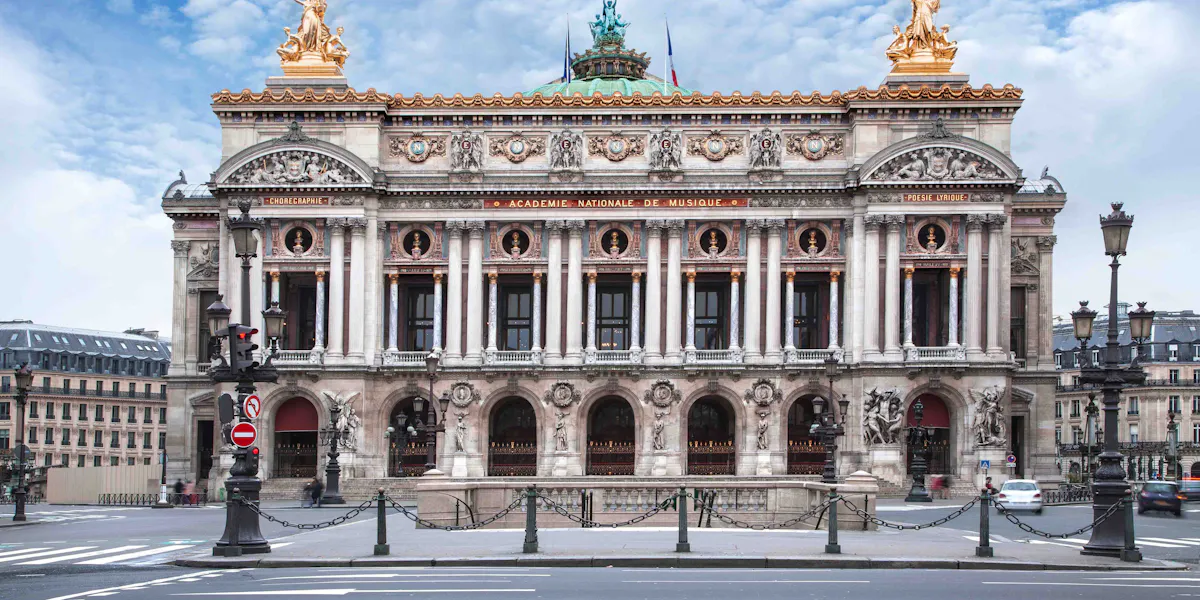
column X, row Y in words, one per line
column 474, row 353
column 493, row 319
column 858, row 277
column 691, row 314
column 891, row 326
column 847, row 324
column 437, row 312
column 775, row 228
column 319, row 334
column 258, row 292
column 554, row 349
column 274, row 286
column 358, row 238
column 834, row 309
column 734, row 300
column 995, row 294
column 393, row 312
column 908, row 307
column 974, row 287
column 953, row 343
column 635, row 315
column 674, row 293
column 591, row 318
column 179, row 312
column 654, row 315
column 337, row 289
column 574, row 292
column 536, row 342
column 454, row 291
column 753, row 321
column 871, row 288
column 789, row 318
column 1045, row 341
column 373, row 323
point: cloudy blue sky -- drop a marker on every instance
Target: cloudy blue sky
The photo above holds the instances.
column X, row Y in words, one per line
column 103, row 101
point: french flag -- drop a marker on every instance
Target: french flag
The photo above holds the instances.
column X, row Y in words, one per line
column 671, row 57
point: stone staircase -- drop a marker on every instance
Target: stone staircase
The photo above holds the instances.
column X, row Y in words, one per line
column 353, row 490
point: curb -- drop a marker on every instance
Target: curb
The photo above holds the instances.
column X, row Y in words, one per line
column 681, row 562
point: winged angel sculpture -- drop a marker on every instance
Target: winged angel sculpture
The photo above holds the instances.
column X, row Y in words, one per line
column 987, row 425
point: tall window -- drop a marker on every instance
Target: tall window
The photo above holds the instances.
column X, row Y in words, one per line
column 4, row 443
column 66, row 410
column 1057, row 435
column 146, row 415
column 49, row 435
column 1173, row 404
column 114, row 440
column 130, row 440
column 516, row 318
column 116, row 414
column 162, row 440
column 1075, row 408
column 95, row 461
column 1172, row 377
column 711, row 306
column 162, row 416
column 1196, row 405
column 1058, row 410
column 806, row 320
column 1017, row 321
column 82, row 441
column 49, row 410
column 613, row 319
column 83, row 412
column 131, row 415
column 146, row 440
column 99, row 411
column 419, row 329
column 80, row 461
column 1196, row 433
column 1133, row 434
column 5, row 411
column 1133, row 405
column 98, row 439
column 33, row 409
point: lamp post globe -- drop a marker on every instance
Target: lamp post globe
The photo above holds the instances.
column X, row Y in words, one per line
column 1116, row 227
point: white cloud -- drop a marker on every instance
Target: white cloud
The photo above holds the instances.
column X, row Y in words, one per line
column 224, row 28
column 120, row 6
column 158, row 16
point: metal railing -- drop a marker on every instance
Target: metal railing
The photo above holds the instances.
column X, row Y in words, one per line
column 197, row 498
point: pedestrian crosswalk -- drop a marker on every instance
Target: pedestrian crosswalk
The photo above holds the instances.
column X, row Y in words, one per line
column 1150, row 542
column 93, row 555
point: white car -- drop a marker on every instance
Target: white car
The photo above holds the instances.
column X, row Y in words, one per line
column 1020, row 494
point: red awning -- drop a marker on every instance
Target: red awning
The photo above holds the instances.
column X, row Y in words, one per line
column 935, row 415
column 297, row 414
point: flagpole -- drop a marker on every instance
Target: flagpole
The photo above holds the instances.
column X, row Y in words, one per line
column 666, row 55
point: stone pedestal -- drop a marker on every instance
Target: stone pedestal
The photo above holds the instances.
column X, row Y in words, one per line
column 459, row 466
column 762, row 464
column 660, row 466
column 998, row 472
column 887, row 461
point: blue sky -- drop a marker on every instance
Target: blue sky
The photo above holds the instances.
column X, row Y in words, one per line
column 102, row 102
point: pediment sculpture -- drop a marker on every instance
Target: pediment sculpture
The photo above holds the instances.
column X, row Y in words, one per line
column 295, row 167
column 938, row 164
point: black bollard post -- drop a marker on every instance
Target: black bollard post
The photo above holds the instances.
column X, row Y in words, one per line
column 984, row 550
column 832, row 547
column 681, row 503
column 1130, row 553
column 531, row 541
column 381, row 544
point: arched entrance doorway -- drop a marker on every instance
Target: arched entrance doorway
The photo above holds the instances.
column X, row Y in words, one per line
column 295, row 452
column 936, row 417
column 1195, row 470
column 711, row 438
column 610, row 442
column 513, row 435
column 406, row 446
column 806, row 454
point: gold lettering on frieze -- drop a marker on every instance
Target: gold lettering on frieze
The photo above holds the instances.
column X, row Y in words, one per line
column 290, row 201
column 586, row 203
column 937, row 197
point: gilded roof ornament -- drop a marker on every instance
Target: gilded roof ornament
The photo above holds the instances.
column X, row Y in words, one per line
column 922, row 49
column 313, row 51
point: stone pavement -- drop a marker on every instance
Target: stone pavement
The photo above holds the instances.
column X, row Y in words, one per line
column 351, row 544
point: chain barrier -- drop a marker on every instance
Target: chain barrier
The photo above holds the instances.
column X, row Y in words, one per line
column 767, row 526
column 556, row 507
column 898, row 527
column 1112, row 510
column 306, row 526
column 431, row 525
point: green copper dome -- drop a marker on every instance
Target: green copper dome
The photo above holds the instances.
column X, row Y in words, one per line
column 608, row 67
column 608, row 87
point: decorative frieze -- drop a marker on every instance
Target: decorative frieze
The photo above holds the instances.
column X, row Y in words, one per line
column 616, row 147
column 517, row 147
column 417, row 148
column 295, row 167
column 937, row 164
column 815, row 146
column 715, row 146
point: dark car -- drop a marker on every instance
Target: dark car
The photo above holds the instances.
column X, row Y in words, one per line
column 1161, row 495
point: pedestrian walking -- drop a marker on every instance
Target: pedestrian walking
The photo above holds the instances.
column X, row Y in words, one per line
column 178, row 489
column 189, row 492
column 935, row 486
column 317, row 489
column 945, row 487
column 988, row 488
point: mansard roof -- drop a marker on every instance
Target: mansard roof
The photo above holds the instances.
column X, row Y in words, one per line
column 30, row 336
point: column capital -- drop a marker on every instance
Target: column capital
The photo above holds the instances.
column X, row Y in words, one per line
column 553, row 225
column 591, row 276
column 455, row 227
column 874, row 222
column 791, row 275
column 537, row 276
column 775, row 225
column 674, row 226
column 394, row 278
column 320, row 275
column 181, row 248
column 848, row 227
column 637, row 276
column 575, row 226
column 1046, row 243
column 908, row 272
column 691, row 275
column 275, row 276
column 335, row 224
column 833, row 276
column 734, row 274
column 475, row 228
column 754, row 226
column 954, row 272
column 894, row 223
column 357, row 225
column 975, row 222
column 655, row 226
column 996, row 222
column 492, row 275
column 437, row 276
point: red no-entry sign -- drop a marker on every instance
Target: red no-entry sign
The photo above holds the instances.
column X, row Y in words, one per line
column 243, row 435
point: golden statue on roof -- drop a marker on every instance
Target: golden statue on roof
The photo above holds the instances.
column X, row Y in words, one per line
column 922, row 48
column 313, row 51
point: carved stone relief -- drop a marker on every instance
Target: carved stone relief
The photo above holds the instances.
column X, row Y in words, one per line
column 562, row 395
column 517, row 147
column 616, row 147
column 295, row 167
column 987, row 423
column 206, row 265
column 766, row 149
column 466, row 152
column 883, row 416
column 1024, row 257
column 815, row 146
column 937, row 164
column 463, row 395
column 715, row 147
column 417, row 148
column 566, row 151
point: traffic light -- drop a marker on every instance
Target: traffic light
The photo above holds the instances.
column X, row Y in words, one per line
column 243, row 347
column 252, row 459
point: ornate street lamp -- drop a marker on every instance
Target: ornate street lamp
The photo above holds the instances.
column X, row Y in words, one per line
column 1082, row 320
column 1172, row 446
column 1091, row 436
column 431, row 367
column 273, row 319
column 1109, row 486
column 1141, row 327
column 24, row 378
column 828, row 429
column 918, row 440
column 333, row 471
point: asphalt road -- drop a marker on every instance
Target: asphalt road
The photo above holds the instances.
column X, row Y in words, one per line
column 599, row 584
column 1159, row 535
